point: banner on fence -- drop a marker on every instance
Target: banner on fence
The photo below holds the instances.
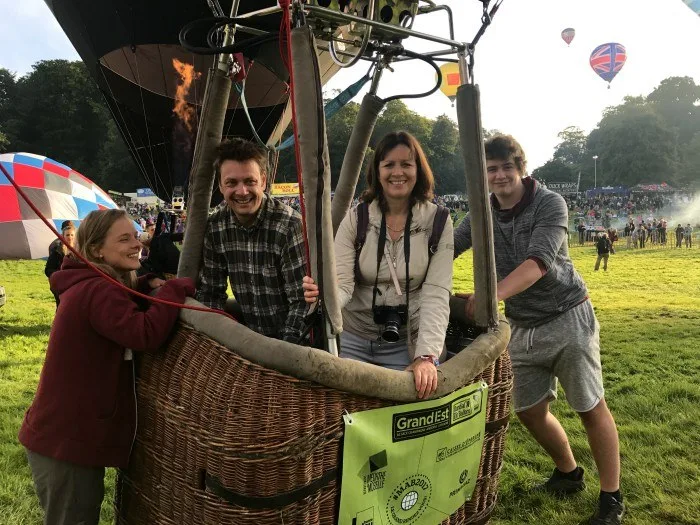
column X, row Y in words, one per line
column 563, row 188
column 415, row 463
column 285, row 189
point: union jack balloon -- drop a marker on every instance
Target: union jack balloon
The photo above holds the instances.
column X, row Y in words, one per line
column 59, row 192
column 607, row 60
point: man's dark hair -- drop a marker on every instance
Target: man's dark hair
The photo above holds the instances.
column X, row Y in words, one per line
column 503, row 147
column 240, row 150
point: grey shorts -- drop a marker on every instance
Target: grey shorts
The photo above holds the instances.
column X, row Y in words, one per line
column 567, row 348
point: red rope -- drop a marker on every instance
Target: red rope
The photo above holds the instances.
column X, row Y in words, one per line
column 95, row 268
column 286, row 53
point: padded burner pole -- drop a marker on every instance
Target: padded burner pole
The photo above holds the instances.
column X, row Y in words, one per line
column 316, row 175
column 211, row 127
column 472, row 142
column 367, row 117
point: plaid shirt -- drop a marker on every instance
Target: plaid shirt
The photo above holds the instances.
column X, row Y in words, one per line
column 265, row 264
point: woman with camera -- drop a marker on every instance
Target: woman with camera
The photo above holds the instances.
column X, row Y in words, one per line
column 394, row 287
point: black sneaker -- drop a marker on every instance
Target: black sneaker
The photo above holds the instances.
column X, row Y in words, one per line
column 612, row 515
column 561, row 484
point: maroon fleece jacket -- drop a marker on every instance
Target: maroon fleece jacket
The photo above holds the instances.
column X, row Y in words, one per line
column 84, row 411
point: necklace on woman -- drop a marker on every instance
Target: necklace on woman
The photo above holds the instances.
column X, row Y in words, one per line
column 396, row 231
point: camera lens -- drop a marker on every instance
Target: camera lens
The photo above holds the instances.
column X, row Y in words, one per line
column 391, row 328
column 391, row 333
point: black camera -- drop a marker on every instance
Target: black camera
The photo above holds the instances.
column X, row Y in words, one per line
column 392, row 317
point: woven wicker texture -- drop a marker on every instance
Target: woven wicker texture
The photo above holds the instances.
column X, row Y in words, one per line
column 206, row 412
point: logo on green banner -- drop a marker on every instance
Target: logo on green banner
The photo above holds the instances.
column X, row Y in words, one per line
column 412, row 464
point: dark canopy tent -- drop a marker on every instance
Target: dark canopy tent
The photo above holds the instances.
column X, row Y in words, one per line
column 129, row 47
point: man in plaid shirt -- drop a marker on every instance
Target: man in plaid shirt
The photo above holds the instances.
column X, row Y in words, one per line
column 256, row 242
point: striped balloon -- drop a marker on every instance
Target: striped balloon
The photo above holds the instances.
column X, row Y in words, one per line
column 59, row 192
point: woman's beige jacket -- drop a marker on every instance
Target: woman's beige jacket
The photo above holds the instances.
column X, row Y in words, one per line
column 430, row 285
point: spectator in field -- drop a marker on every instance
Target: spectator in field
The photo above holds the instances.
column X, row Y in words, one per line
column 256, row 243
column 662, row 231
column 635, row 237
column 679, row 235
column 642, row 234
column 83, row 417
column 148, row 233
column 581, row 232
column 688, row 235
column 612, row 236
column 554, row 330
column 58, row 250
column 604, row 247
column 629, row 231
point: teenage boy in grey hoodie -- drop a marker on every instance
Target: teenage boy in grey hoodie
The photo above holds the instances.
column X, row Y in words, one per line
column 555, row 333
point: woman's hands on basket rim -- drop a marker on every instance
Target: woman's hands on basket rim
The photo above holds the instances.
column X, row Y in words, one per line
column 426, row 376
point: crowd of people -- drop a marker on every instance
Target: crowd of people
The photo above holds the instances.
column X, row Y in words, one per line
column 394, row 256
column 640, row 234
column 623, row 205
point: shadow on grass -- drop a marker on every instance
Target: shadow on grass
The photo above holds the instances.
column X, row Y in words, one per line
column 24, row 331
column 23, row 362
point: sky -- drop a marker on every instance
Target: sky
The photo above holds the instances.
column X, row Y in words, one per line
column 532, row 84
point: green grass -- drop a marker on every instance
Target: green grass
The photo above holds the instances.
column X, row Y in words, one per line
column 648, row 305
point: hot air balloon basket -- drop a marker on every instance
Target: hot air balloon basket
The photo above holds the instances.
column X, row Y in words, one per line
column 226, row 441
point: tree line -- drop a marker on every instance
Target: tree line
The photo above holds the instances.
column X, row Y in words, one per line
column 646, row 139
column 57, row 111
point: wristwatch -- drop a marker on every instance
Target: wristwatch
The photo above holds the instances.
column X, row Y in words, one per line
column 430, row 358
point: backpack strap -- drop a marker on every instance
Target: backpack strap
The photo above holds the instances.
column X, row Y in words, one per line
column 360, row 234
column 441, row 215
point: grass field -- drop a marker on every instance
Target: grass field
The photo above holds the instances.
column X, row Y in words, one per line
column 648, row 304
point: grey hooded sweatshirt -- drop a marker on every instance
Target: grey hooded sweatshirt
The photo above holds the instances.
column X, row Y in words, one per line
column 536, row 228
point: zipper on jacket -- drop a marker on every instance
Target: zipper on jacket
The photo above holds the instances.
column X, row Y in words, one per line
column 136, row 406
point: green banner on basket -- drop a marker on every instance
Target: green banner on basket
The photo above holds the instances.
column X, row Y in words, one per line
column 412, row 464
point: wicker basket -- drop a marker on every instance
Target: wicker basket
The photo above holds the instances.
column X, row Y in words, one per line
column 206, row 413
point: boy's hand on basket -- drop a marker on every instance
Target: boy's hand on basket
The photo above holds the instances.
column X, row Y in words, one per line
column 469, row 305
column 425, row 374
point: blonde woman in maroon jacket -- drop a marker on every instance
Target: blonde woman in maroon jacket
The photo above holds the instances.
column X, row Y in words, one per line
column 83, row 417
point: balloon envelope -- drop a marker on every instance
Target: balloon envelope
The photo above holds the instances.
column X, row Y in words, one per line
column 607, row 60
column 450, row 80
column 129, row 47
column 59, row 193
column 694, row 5
column 568, row 34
